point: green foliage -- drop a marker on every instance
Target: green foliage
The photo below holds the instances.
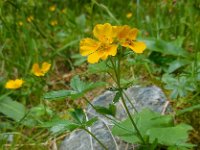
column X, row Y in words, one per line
column 154, row 127
column 111, row 110
column 79, row 88
column 100, row 67
column 164, row 47
column 172, row 43
column 12, row 109
column 117, row 96
column 180, row 86
column 58, row 125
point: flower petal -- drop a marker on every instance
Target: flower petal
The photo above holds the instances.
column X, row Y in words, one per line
column 123, row 32
column 133, row 33
column 36, row 70
column 103, row 32
column 45, row 67
column 94, row 57
column 14, row 84
column 112, row 50
column 88, row 46
column 138, row 47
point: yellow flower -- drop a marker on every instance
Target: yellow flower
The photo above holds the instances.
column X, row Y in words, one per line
column 30, row 19
column 37, row 71
column 20, row 23
column 127, row 38
column 53, row 22
column 14, row 84
column 129, row 15
column 101, row 48
column 52, row 8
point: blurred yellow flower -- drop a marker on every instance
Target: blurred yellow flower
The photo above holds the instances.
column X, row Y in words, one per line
column 127, row 38
column 129, row 15
column 52, row 8
column 37, row 71
column 30, row 19
column 54, row 22
column 14, row 84
column 101, row 48
column 20, row 23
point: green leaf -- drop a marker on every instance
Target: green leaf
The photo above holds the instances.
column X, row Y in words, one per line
column 117, row 96
column 144, row 120
column 164, row 47
column 78, row 115
column 61, row 94
column 91, row 121
column 189, row 109
column 76, row 84
column 106, row 111
column 170, row 136
column 81, row 21
column 98, row 67
column 177, row 64
column 154, row 128
column 78, row 59
column 59, row 125
column 80, row 88
column 12, row 109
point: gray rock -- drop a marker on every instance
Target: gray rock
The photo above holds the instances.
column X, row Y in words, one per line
column 150, row 97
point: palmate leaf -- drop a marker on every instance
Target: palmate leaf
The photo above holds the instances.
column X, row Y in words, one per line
column 170, row 136
column 79, row 88
column 111, row 110
column 78, row 115
column 80, row 118
column 149, row 124
column 145, row 119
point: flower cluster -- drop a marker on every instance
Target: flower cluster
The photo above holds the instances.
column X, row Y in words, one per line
column 36, row 70
column 108, row 38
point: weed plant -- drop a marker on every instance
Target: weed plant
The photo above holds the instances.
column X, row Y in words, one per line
column 34, row 32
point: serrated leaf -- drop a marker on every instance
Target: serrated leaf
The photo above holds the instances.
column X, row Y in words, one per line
column 106, row 111
column 80, row 88
column 76, row 84
column 170, row 136
column 154, row 127
column 144, row 120
column 91, row 121
column 12, row 109
column 78, row 115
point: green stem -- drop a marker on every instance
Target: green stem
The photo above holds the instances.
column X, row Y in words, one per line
column 95, row 138
column 117, row 75
column 132, row 121
column 85, row 98
column 129, row 101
